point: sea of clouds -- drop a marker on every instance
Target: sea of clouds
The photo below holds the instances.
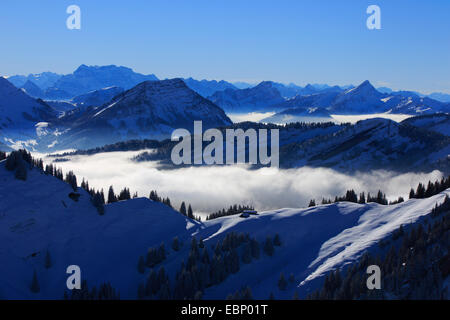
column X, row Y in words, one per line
column 210, row 188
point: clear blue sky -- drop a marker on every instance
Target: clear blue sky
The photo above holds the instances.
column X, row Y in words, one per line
column 238, row 40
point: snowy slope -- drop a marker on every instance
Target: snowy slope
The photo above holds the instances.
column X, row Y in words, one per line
column 37, row 215
column 436, row 122
column 315, row 241
column 33, row 90
column 97, row 97
column 18, row 109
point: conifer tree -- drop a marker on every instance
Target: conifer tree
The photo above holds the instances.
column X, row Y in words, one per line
column 268, row 247
column 35, row 288
column 282, row 284
column 276, row 240
column 141, row 265
column 190, row 213
column 111, row 195
column 175, row 244
column 48, row 261
column 183, row 208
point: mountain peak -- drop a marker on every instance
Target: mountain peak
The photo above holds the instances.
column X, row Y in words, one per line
column 265, row 84
column 366, row 84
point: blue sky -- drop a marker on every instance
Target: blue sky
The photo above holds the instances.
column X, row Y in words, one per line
column 237, row 40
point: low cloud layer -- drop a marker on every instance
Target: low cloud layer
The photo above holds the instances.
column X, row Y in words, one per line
column 211, row 188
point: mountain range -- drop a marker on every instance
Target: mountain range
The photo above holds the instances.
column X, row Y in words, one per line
column 418, row 144
column 254, row 99
column 363, row 99
column 83, row 80
column 109, row 103
column 152, row 109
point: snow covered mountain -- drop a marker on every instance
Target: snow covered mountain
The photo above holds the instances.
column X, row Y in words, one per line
column 43, row 80
column 206, row 88
column 368, row 145
column 439, row 96
column 89, row 78
column 371, row 144
column 46, row 226
column 364, row 99
column 18, row 111
column 435, row 122
column 315, row 100
column 33, row 90
column 300, row 114
column 97, row 97
column 152, row 109
column 253, row 99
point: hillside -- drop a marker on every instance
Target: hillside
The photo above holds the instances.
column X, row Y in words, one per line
column 38, row 216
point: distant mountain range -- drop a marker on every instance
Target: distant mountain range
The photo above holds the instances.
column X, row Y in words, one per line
column 258, row 98
column 83, row 80
column 206, row 88
column 108, row 104
column 364, row 99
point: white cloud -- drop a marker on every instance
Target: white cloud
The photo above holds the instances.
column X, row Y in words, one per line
column 211, row 188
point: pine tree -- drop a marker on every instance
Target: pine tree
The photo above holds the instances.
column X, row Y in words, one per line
column 183, row 208
column 362, row 198
column 268, row 247
column 291, row 278
column 282, row 284
column 255, row 248
column 35, row 284
column 111, row 195
column 21, row 171
column 190, row 213
column 161, row 252
column 312, row 203
column 247, row 253
column 175, row 244
column 141, row 265
column 48, row 261
column 276, row 240
column 141, row 291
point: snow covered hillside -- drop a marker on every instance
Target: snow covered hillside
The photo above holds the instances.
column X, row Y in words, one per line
column 38, row 216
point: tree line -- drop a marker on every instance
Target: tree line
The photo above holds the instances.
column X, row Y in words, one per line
column 232, row 210
column 422, row 191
